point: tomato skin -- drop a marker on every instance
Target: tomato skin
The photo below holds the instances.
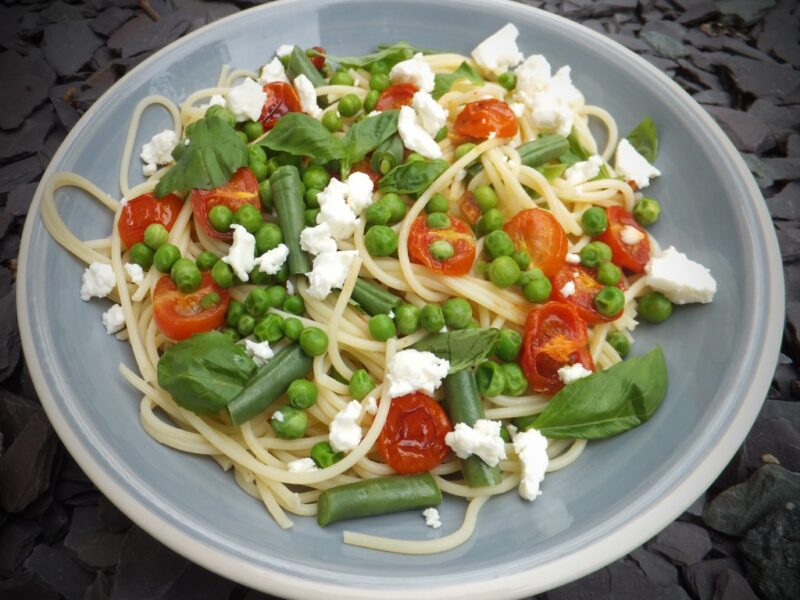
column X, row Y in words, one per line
column 469, row 207
column 555, row 336
column 460, row 237
column 318, row 61
column 144, row 210
column 281, row 99
column 586, row 287
column 395, row 96
column 412, row 440
column 179, row 315
column 240, row 190
column 481, row 118
column 537, row 231
column 632, row 257
column 363, row 166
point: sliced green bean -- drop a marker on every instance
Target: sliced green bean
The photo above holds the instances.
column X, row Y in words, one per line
column 300, row 64
column 287, row 196
column 374, row 299
column 388, row 155
column 542, row 150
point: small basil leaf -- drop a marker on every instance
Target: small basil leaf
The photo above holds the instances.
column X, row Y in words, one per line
column 366, row 135
column 301, row 135
column 552, row 171
column 464, row 348
column 644, row 138
column 412, row 178
column 444, row 81
column 389, row 54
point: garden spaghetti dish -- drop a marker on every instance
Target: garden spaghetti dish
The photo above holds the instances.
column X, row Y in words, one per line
column 361, row 282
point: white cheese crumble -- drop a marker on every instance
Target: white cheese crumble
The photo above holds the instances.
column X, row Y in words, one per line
column 630, row 235
column 633, row 166
column 482, row 440
column 531, row 448
column 329, row 272
column 499, row 52
column 552, row 100
column 359, row 192
column 584, row 171
column 135, row 273
column 260, row 352
column 345, row 432
column 278, row 416
column 242, row 253
column 572, row 373
column 289, row 287
column 307, row 95
column 568, row 289
column 317, row 240
column 416, row 71
column 114, row 319
column 273, row 71
column 415, row 371
column 518, row 108
column 334, row 210
column 284, row 50
column 303, row 465
column 370, row 405
column 246, row 100
column 432, row 519
column 573, row 259
column 680, row 279
column 432, row 116
column 97, row 281
column 216, row 100
column 272, row 260
column 414, row 136
column 158, row 151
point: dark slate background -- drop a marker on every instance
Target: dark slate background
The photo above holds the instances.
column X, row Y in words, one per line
column 60, row 538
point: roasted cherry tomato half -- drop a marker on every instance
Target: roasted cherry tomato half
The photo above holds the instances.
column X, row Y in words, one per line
column 240, row 190
column 481, row 118
column 412, row 440
column 586, row 288
column 281, row 99
column 144, row 210
column 537, row 232
column 459, row 235
column 469, row 207
column 180, row 315
column 316, row 60
column 555, row 336
column 632, row 257
column 395, row 96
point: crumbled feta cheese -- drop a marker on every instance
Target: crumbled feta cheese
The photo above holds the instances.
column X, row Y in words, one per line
column 359, row 192
column 317, row 240
column 483, row 440
column 432, row 519
column 533, row 75
column 414, row 136
column 345, row 433
column 289, row 287
column 371, row 405
column 583, row 171
column 412, row 371
column 552, row 100
column 572, row 373
column 573, row 259
column 114, row 319
column 329, row 272
column 307, row 95
column 334, row 210
column 135, row 273
column 97, row 281
column 630, row 235
column 531, row 448
column 216, row 100
column 415, row 70
column 278, row 416
column 260, row 352
column 158, row 151
column 680, row 279
column 499, row 52
column 432, row 116
column 284, row 50
column 302, row 465
column 568, row 289
column 518, row 108
column 242, row 253
column 273, row 71
column 272, row 260
column 246, row 100
column 633, row 166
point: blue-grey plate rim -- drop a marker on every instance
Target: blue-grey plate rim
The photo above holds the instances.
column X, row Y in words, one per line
column 609, row 544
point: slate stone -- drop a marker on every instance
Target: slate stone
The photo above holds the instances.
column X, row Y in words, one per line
column 762, row 78
column 27, row 586
column 669, row 28
column 665, row 45
column 88, row 538
column 100, row 588
column 747, row 132
column 657, row 568
column 783, row 169
column 111, row 19
column 682, row 543
column 776, row 433
column 706, row 79
column 664, row 64
column 19, row 172
column 112, row 517
column 9, row 248
column 16, row 543
column 6, row 220
column 20, row 198
column 762, row 172
column 25, row 85
column 58, row 569
column 782, row 120
column 737, row 46
column 69, row 45
column 142, row 34
column 699, row 13
column 594, row 585
column 713, row 98
column 28, row 138
column 732, row 586
column 15, row 412
column 749, row 11
column 630, row 42
column 771, row 553
column 700, row 578
column 196, row 582
column 54, row 523
column 51, row 144
column 10, row 345
column 702, row 41
column 709, row 61
column 793, row 146
column 789, row 241
column 61, row 97
column 146, row 568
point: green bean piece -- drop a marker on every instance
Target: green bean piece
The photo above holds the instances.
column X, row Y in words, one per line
column 498, row 243
column 156, row 235
column 289, row 423
column 302, row 393
column 406, row 318
column 205, row 260
column 654, row 307
column 220, row 217
column 504, row 271
column 516, row 382
column 288, row 201
column 387, row 155
column 361, row 384
column 324, row 455
column 594, row 221
column 300, row 64
column 142, row 255
column 431, row 317
column 257, row 302
column 609, row 274
column 373, row 299
column 314, row 341
column 542, row 150
column 441, row 134
column 490, row 379
column 292, row 328
column 381, row 327
column 619, row 342
column 165, row 257
column 507, row 345
column 457, row 313
column 646, row 211
column 223, row 113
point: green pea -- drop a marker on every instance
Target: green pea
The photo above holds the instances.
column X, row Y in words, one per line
column 205, row 260
column 276, row 295
column 379, row 66
column 371, row 100
column 490, row 379
column 249, row 217
column 503, row 271
column 379, row 82
column 406, row 318
column 342, row 78
column 265, row 193
column 595, row 254
column 294, row 305
column 156, row 235
column 381, row 240
column 257, row 302
column 269, row 329
column 654, row 307
column 415, row 157
column 522, row 258
column 381, row 327
column 492, row 220
column 291, row 424
column 310, row 216
column 646, row 211
column 431, row 317
column 268, row 236
column 232, row 334
column 609, row 301
column 457, row 313
column 165, row 257
column 220, row 217
column 324, row 456
column 397, row 207
column 259, row 169
column 594, row 221
column 473, row 324
column 537, row 290
column 516, row 382
column 314, row 341
column 609, row 274
column 256, row 153
column 292, row 328
column 235, row 312
column 283, row 273
column 529, row 275
column 441, row 250
column 441, row 134
column 253, row 130
column 272, row 165
column 463, row 149
column 142, row 255
column 316, row 177
column 361, row 384
column 378, row 213
column 349, row 105
column 332, row 121
column 185, row 274
column 242, row 136
column 210, row 300
column 222, row 274
column 507, row 345
column 258, row 277
column 498, row 243
column 438, row 220
column 223, row 113
column 485, row 196
column 508, row 80
column 245, row 325
column 437, row 204
column 302, row 393
column 619, row 342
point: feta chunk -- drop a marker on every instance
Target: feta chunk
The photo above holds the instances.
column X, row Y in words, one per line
column 284, row 50
column 345, row 433
column 414, row 136
column 680, row 279
column 359, row 192
column 260, row 352
column 272, row 260
column 633, row 166
column 307, row 95
column 630, row 235
column 531, row 448
column 482, row 440
column 432, row 519
column 533, row 75
column 158, row 151
column 518, row 108
column 302, row 465
column 329, row 272
column 278, row 416
column 499, row 52
column 568, row 289
column 432, row 116
column 216, row 100
column 413, row 371
column 416, row 71
column 135, row 273
column 572, row 373
column 334, row 210
column 317, row 240
column 371, row 405
column 552, row 100
column 242, row 254
column 273, row 71
column 573, row 259
column 246, row 100
column 583, row 171
column 97, row 281
column 289, row 287
column 114, row 319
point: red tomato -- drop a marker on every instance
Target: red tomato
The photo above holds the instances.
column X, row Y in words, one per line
column 628, row 256
column 395, row 96
column 412, row 440
column 537, row 232
column 481, row 118
column 363, row 166
column 240, row 190
column 586, row 288
column 180, row 315
column 460, row 236
column 144, row 210
column 555, row 337
column 281, row 99
column 318, row 61
column 469, row 207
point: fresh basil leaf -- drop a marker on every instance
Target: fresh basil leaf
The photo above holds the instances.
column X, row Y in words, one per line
column 444, row 81
column 366, row 135
column 205, row 372
column 576, row 152
column 213, row 155
column 389, row 54
column 412, row 178
column 300, row 64
column 644, row 138
column 552, row 171
column 608, row 402
column 301, row 135
column 464, row 348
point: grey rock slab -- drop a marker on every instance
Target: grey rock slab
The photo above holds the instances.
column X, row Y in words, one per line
column 708, row 61
column 699, row 13
column 100, row 589
column 701, row 577
column 69, row 45
column 737, row 46
column 196, row 582
column 793, row 146
column 657, row 568
column 713, row 98
column 776, row 433
column 747, row 132
column 762, row 172
column 56, row 567
column 783, row 169
column 789, row 241
column 702, row 41
column 142, row 34
column 29, row 137
column 731, row 585
column 147, row 569
column 26, row 586
column 19, row 199
column 782, row 120
column 705, row 78
column 762, row 78
column 785, row 205
column 682, row 543
column 749, row 11
column 17, row 539
column 665, row 45
column 54, row 523
column 92, row 543
column 10, row 345
column 112, row 517
column 19, row 172
column 26, row 81
column 669, row 28
column 630, row 42
column 15, row 411
column 111, row 19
